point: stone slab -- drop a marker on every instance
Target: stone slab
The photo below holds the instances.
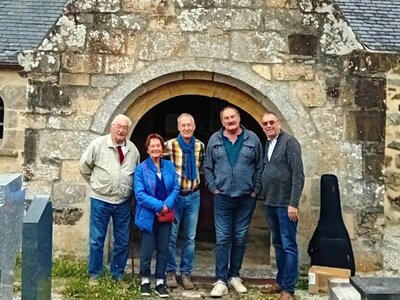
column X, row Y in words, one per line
column 344, row 293
column 377, row 288
column 11, row 217
column 37, row 250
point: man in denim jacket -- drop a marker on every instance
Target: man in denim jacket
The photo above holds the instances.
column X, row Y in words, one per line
column 233, row 167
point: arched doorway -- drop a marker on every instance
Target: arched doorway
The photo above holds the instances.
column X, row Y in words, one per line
column 161, row 119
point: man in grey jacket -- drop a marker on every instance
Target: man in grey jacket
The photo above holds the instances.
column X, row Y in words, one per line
column 232, row 166
column 283, row 181
column 108, row 165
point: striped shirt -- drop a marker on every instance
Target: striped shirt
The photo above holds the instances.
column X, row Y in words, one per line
column 174, row 153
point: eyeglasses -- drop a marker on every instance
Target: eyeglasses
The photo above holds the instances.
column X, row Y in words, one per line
column 119, row 126
column 266, row 123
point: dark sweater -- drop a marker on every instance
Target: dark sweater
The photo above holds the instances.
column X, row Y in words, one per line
column 283, row 175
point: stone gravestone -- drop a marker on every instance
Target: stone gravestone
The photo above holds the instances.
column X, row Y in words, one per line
column 11, row 217
column 377, row 288
column 37, row 250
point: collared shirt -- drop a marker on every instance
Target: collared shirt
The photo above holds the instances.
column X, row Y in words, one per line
column 174, row 153
column 232, row 149
column 271, row 146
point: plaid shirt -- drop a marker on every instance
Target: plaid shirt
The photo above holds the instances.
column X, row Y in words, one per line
column 174, row 153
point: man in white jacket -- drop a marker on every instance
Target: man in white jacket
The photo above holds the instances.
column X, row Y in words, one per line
column 108, row 165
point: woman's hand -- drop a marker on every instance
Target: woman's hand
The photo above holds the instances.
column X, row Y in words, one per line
column 164, row 209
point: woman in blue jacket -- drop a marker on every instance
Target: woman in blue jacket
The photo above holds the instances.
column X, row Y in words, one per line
column 156, row 188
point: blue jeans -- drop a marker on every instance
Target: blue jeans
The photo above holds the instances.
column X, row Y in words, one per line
column 232, row 221
column 100, row 214
column 284, row 233
column 157, row 240
column 186, row 213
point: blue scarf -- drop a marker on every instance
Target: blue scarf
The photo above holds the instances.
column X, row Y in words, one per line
column 188, row 150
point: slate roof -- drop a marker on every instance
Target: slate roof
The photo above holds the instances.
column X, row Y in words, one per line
column 376, row 23
column 24, row 24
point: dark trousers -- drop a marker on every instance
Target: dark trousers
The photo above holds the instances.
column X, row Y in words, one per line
column 157, row 241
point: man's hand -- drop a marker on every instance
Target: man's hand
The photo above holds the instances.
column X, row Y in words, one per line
column 253, row 194
column 293, row 213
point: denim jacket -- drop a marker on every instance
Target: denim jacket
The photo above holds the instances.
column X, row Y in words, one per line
column 241, row 179
column 145, row 182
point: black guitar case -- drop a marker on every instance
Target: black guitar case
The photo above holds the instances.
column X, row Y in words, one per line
column 330, row 244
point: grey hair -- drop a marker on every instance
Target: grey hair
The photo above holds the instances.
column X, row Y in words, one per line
column 185, row 115
column 121, row 116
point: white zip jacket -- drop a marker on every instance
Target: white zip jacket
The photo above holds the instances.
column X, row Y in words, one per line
column 109, row 180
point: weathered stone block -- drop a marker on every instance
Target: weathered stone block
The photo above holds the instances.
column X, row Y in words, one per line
column 202, row 3
column 281, row 3
column 54, row 142
column 128, row 22
column 48, row 97
column 267, row 47
column 109, row 42
column 391, row 248
column 157, row 45
column 67, row 195
column 108, row 81
column 14, row 97
column 81, row 63
column 163, row 23
column 302, row 44
column 67, row 216
column 289, row 20
column 208, row 46
column 262, row 70
column 349, row 220
column 365, row 126
column 370, row 222
column 247, row 3
column 370, row 63
column 293, row 72
column 329, row 121
column 85, row 18
column 37, row 187
column 74, row 79
column 31, row 144
column 118, row 64
column 70, row 171
column 357, row 193
column 311, row 94
column 153, row 7
column 96, row 6
column 370, row 93
column 374, row 165
column 47, row 169
column 69, row 122
column 392, row 179
column 14, row 139
column 200, row 19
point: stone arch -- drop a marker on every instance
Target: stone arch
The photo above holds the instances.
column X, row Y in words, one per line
column 260, row 93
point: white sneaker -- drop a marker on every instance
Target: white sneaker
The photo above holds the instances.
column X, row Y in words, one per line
column 236, row 283
column 220, row 289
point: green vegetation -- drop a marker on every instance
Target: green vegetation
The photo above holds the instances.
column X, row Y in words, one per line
column 302, row 283
column 73, row 274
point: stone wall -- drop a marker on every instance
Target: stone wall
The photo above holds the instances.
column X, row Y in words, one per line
column 298, row 58
column 392, row 173
column 13, row 94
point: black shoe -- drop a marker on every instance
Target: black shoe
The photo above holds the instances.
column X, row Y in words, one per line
column 162, row 291
column 145, row 289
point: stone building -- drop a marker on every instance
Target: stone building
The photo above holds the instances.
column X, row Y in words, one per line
column 329, row 69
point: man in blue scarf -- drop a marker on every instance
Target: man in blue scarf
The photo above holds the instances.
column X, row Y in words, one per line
column 187, row 153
